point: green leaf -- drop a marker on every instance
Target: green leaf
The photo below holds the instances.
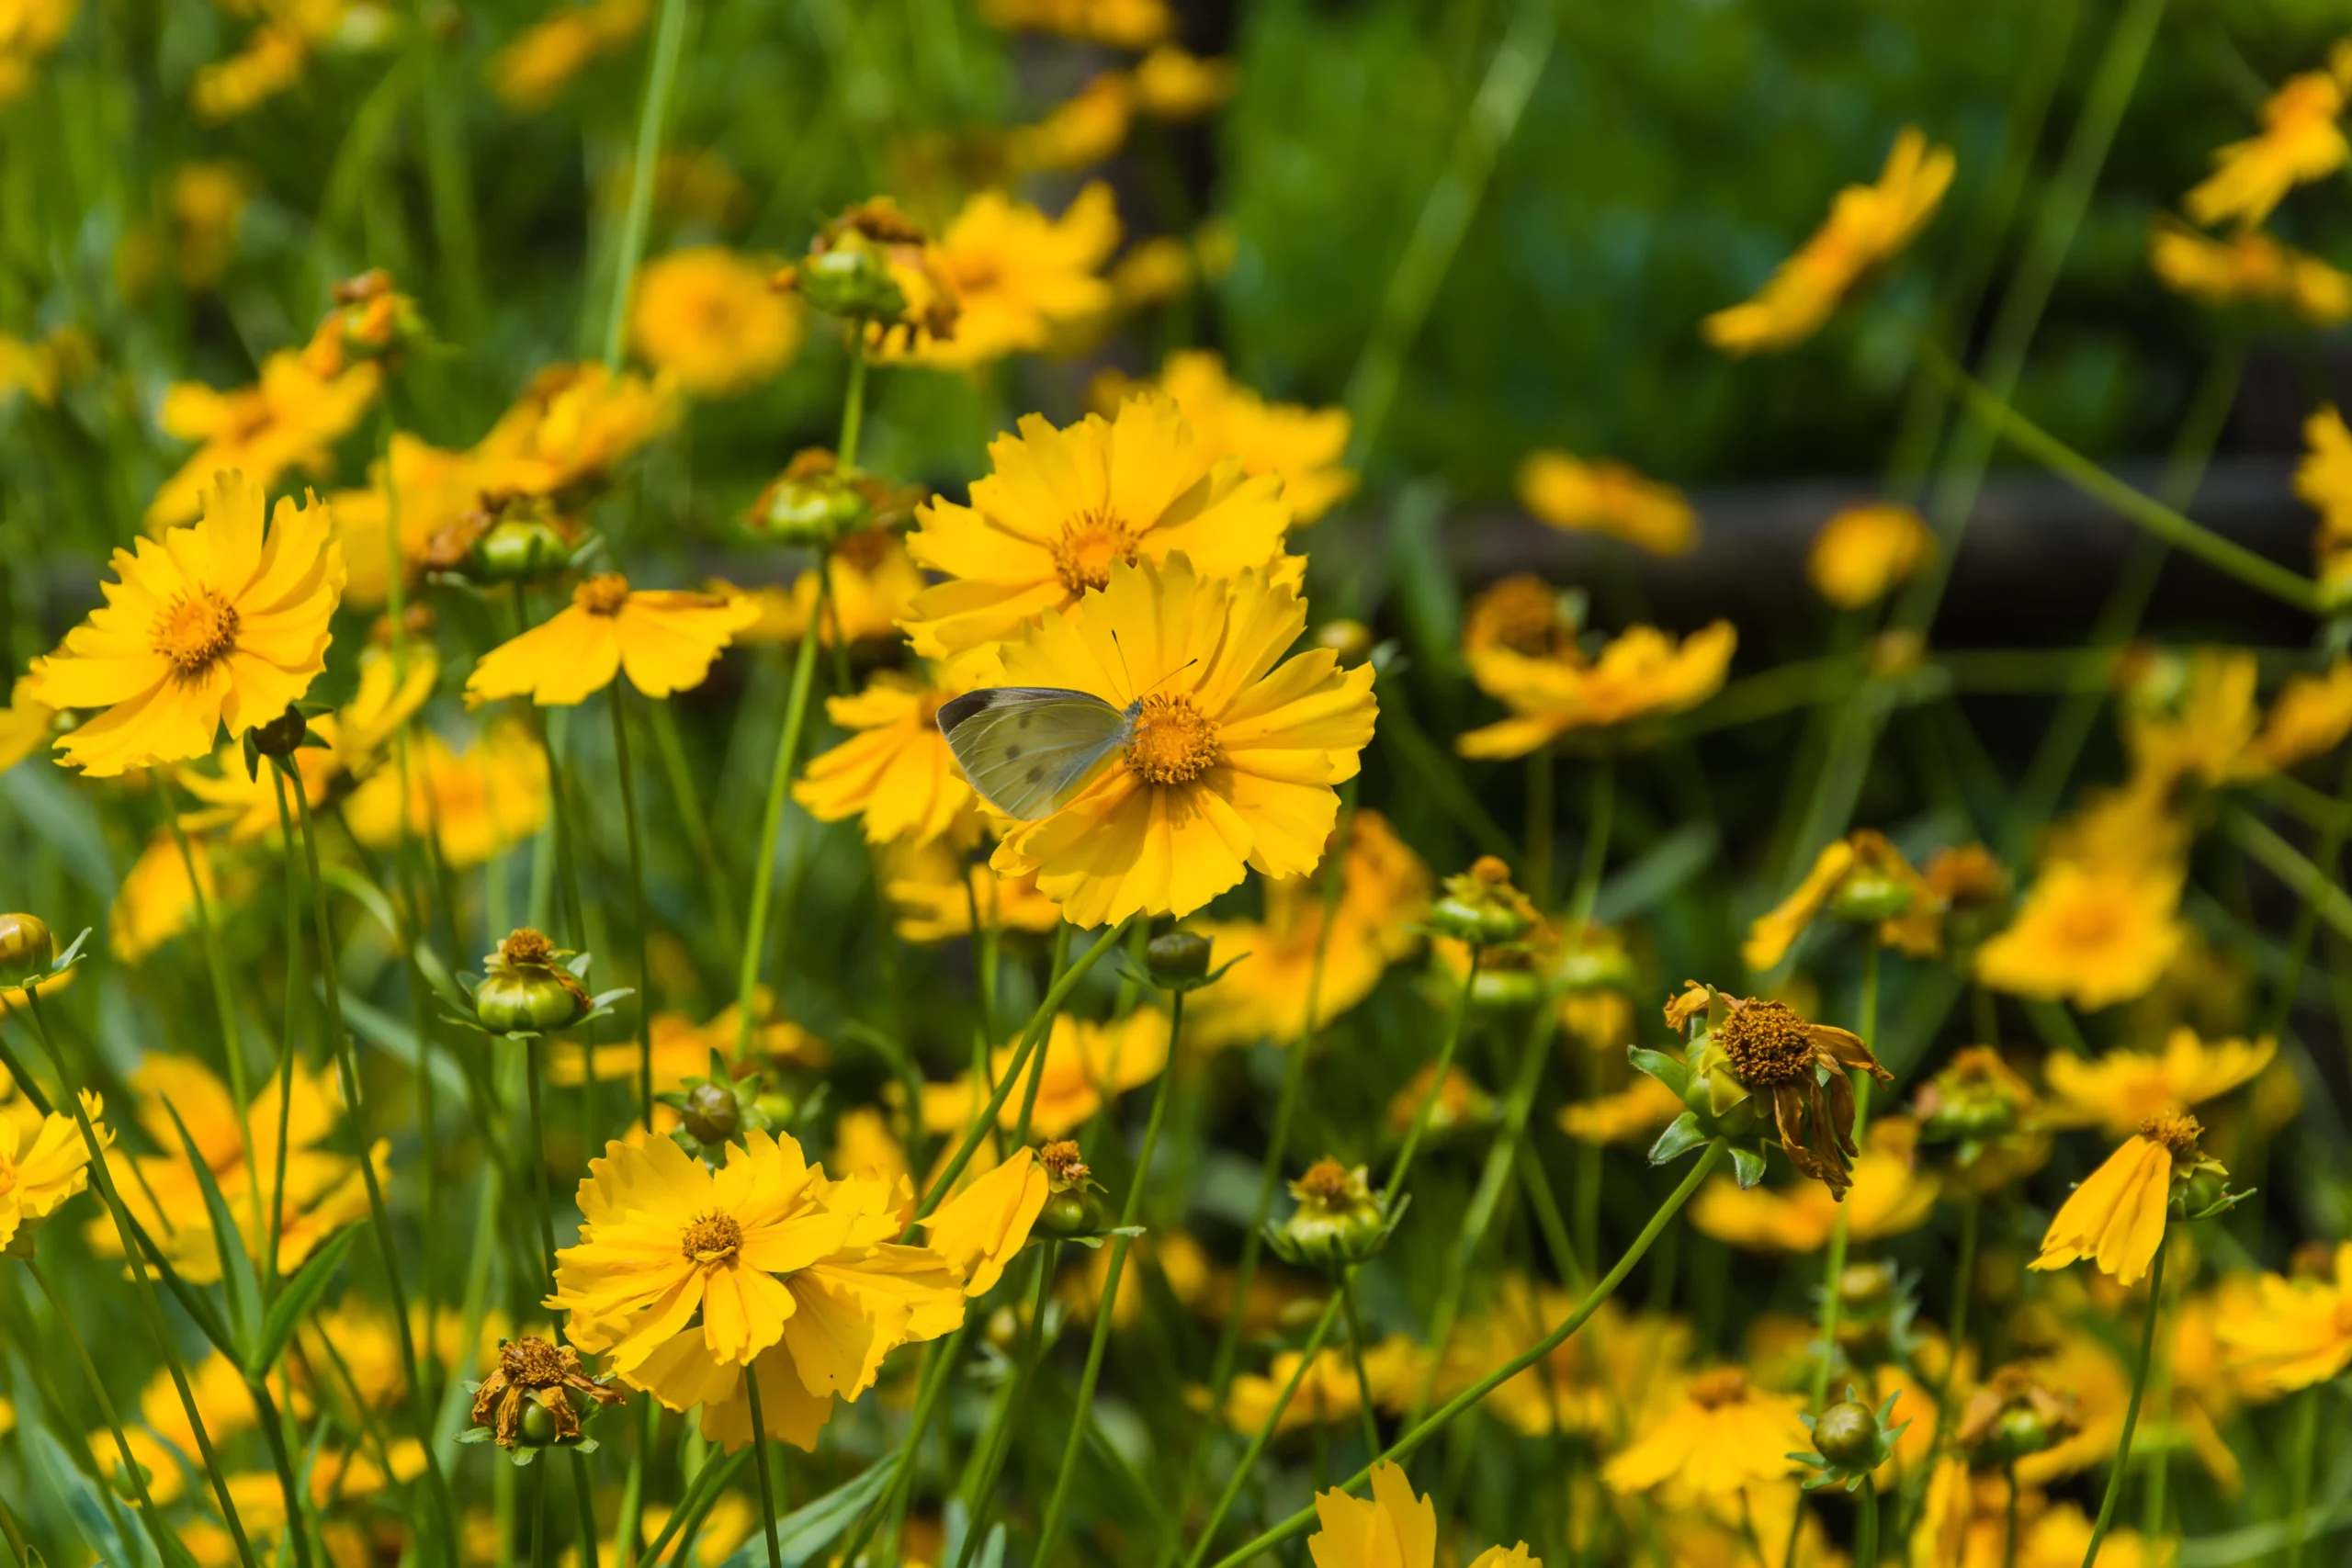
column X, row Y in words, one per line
column 197, row 1307
column 1680, row 1137
column 806, row 1531
column 236, row 1269
column 1747, row 1164
column 297, row 1297
column 1673, row 1073
column 91, row 1514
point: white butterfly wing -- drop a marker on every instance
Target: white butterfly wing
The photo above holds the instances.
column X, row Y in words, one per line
column 1029, row 749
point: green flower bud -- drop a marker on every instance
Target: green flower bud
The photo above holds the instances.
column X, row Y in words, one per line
column 26, row 946
column 1504, row 990
column 1351, row 641
column 711, row 1113
column 1177, row 957
column 1481, row 908
column 518, row 550
column 1847, row 1434
column 1338, row 1219
column 1866, row 898
column 521, row 1000
column 537, row 1429
column 1069, row 1214
column 281, row 736
column 808, row 507
column 852, row 280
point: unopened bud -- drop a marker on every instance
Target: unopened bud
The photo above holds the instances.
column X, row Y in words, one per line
column 1337, row 1219
column 712, row 1113
column 852, row 280
column 282, row 735
column 538, row 1427
column 1480, row 906
column 811, row 502
column 518, row 550
column 1847, row 1434
column 26, row 946
column 1351, row 641
column 1177, row 957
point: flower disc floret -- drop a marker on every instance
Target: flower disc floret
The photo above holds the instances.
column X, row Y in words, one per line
column 1174, row 742
column 1766, row 1043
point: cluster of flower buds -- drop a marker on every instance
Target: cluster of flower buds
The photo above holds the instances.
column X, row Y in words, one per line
column 873, row 266
column 508, row 538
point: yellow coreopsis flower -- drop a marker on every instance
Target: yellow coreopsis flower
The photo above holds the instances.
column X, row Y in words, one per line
column 874, row 585
column 980, row 1228
column 1174, row 85
column 39, row 1171
column 2116, row 1218
column 469, row 803
column 223, row 624
column 1015, row 277
column 1079, row 132
column 532, row 71
column 207, row 197
column 1868, row 225
column 1122, row 24
column 1303, row 445
column 290, row 418
column 2300, row 142
column 1328, row 1393
column 1631, row 1114
column 1235, row 752
column 157, row 898
column 270, row 62
column 2248, row 268
column 1862, row 874
column 1393, row 1529
column 1889, row 1196
column 162, row 1432
column 1620, row 1369
column 2295, row 1333
column 433, row 493
column 1721, row 1435
column 1555, row 690
column 1603, row 496
column 28, row 30
column 25, row 723
column 1086, row 1065
column 2122, row 1089
column 2325, row 480
column 895, row 771
column 571, row 427
column 712, row 319
column 2094, row 933
column 935, row 890
column 682, row 1048
column 2308, row 717
column 1864, row 552
column 666, row 639
column 1061, row 509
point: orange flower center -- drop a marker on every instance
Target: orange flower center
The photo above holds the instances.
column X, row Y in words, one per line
column 603, row 594
column 2177, row 1131
column 1328, row 1181
column 1061, row 1158
column 712, row 1238
column 1766, row 1043
column 1523, row 615
column 2088, row 924
column 1174, row 742
column 527, row 946
column 1090, row 544
column 1719, row 1387
column 197, row 632
column 531, row 1363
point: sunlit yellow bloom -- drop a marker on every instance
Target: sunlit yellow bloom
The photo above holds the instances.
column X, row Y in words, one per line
column 1604, row 496
column 1086, row 1064
column 1393, row 1529
column 1302, row 445
column 1081, row 132
column 1173, row 85
column 162, row 1431
column 874, row 585
column 433, row 491
column 1864, row 870
column 2092, row 934
column 1612, row 1374
column 1868, row 225
column 2298, row 1333
column 1641, row 673
column 666, row 639
column 572, row 425
column 38, row 1172
column 894, row 772
column 980, row 1228
column 1721, row 1435
column 2324, row 478
column 1061, row 509
column 222, row 623
column 1329, row 1393
column 1014, row 277
column 1631, row 1114
column 2121, row 1089
column 25, row 725
column 2116, row 1216
column 935, row 888
column 1123, row 24
column 29, row 29
column 711, row 319
column 1889, row 1197
column 2196, row 718
column 290, row 419
column 534, row 68
column 471, row 803
column 1236, row 751
column 1863, row 552
column 1965, row 1523
column 2248, row 268
column 1384, row 890
column 2300, row 142
column 206, row 199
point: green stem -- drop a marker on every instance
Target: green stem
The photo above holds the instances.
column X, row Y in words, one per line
column 2130, row 1409
column 2301, row 1444
column 285, row 1046
column 1866, row 1524
column 998, row 1443
column 653, row 111
column 1364, row 1405
column 853, row 402
column 760, row 1464
column 533, row 1068
column 1540, row 771
column 1834, row 1269
column 935, row 1378
column 627, row 1530
column 130, row 1467
column 701, row 1492
column 2327, row 855
column 584, row 1496
column 1599, row 817
column 672, row 750
column 1444, row 1416
column 787, row 753
column 1422, row 1114
column 638, row 918
column 1265, row 1433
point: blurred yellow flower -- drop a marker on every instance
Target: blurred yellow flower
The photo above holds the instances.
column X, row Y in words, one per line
column 572, row 425
column 25, row 723
column 290, row 419
column 1237, row 752
column 207, row 197
column 41, row 369
column 1631, row 1114
column 1327, row 1395
column 1613, row 1373
column 2300, row 142
column 1889, row 1196
column 874, row 585
column 2308, row 717
column 2249, row 268
column 41, row 1168
column 1868, row 225
column 2091, row 933
column 1087, row 1065
column 1122, row 24
column 162, row 1432
column 682, row 1048
column 2297, row 1333
column 271, row 61
column 1173, row 85
column 1393, row 1529
column 432, row 490
column 1014, row 277
column 2116, row 1217
column 1965, row 1523
column 1721, row 1435
column 28, row 30
column 472, row 803
column 157, row 900
column 1864, row 552
column 894, row 772
column 935, row 890
column 2121, row 1089
column 1641, row 673
column 1079, row 133
column 534, row 68
column 1604, row 496
column 1301, row 446
column 1865, row 873
column 222, row 623
column 713, row 321
column 665, row 639
column 1151, row 272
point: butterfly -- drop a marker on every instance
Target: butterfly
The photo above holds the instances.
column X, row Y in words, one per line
column 1028, row 750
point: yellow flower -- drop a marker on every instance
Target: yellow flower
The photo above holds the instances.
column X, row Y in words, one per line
column 271, row 61
column 874, row 586
column 1014, row 277
column 1061, row 509
column 1551, row 693
column 1122, row 24
column 532, row 71
column 2299, row 143
column 1868, row 225
column 978, row 1229
column 38, row 1174
column 1329, row 1394
column 2090, row 934
column 1721, row 1435
column 2123, row 1088
column 935, row 890
column 39, row 369
column 1384, row 888
column 2298, row 1332
column 471, row 803
column 1864, row 551
column 290, row 418
column 1301, row 446
column 572, row 425
column 207, row 197
column 157, row 900
column 1236, row 751
column 682, row 1048
column 2117, row 1216
column 1889, row 1198
column 1618, row 1369
column 28, row 30
column 1393, row 1529
column 713, row 321
column 25, row 723
column 1173, row 85
column 434, row 492
column 1603, row 496
column 2324, row 479
column 2248, row 268
column 1081, row 132
column 2308, row 717
column 1086, row 1064
column 1630, row 1116
column 222, row 623
column 162, row 1432
column 1863, row 871
column 1795, row 1071
column 895, row 771
column 666, row 639
column 1965, row 1524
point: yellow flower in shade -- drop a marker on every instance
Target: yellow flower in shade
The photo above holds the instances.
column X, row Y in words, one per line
column 532, row 71
column 1302, row 445
column 1122, row 24
column 712, row 319
column 571, row 427
column 2091, row 933
column 206, row 199
column 1721, row 1435
column 1863, row 552
column 1329, row 1394
column 39, row 1171
column 1889, row 1196
column 1061, row 509
column 895, row 770
column 978, row 1229
column 1079, row 132
column 1868, row 225
column 1863, row 873
column 2308, row 717
column 290, row 419
column 28, row 30
column 1629, row 1115
column 1393, row 1529
column 2300, row 142
column 934, row 890
column 874, row 585
column 222, row 623
column 157, row 900
column 1615, row 1373
column 666, row 639
column 1384, row 890
column 1173, row 85
column 2294, row 1333
column 2116, row 1217
column 1236, row 751
column 1086, row 1065
column 2324, row 478
column 2248, row 268
column 39, row 369
column 1015, row 277
column 1603, row 496
column 471, row 804
column 25, row 725
column 1552, row 692
column 2121, row 1089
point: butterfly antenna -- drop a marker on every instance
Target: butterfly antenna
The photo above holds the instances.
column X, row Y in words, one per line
column 1124, row 673
column 1156, row 684
column 1173, row 673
